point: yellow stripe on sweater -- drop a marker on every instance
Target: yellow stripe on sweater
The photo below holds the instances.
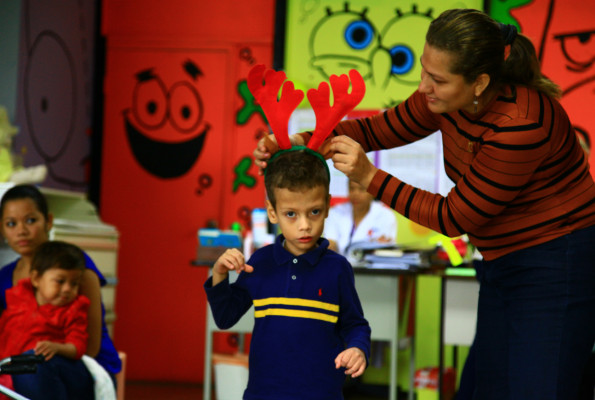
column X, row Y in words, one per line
column 296, row 302
column 295, row 313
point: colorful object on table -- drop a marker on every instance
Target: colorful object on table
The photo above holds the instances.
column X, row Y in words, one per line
column 427, row 378
column 212, row 237
column 452, row 250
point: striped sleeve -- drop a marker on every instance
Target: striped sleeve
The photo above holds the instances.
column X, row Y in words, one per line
column 408, row 122
column 521, row 176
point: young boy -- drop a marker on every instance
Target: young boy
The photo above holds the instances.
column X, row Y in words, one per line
column 46, row 315
column 309, row 327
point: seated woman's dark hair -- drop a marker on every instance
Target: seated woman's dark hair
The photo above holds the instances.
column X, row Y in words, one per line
column 478, row 42
column 31, row 192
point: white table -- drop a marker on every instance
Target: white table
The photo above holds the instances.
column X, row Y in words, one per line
column 458, row 317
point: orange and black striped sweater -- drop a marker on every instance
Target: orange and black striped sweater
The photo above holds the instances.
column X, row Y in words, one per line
column 521, row 176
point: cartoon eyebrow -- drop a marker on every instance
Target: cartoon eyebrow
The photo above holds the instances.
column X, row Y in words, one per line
column 145, row 75
column 582, row 36
column 192, row 69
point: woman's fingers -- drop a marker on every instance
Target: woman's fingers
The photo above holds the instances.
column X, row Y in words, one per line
column 349, row 157
column 345, row 157
column 265, row 147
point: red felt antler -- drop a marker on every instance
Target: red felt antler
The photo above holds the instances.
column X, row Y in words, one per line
column 276, row 111
column 328, row 117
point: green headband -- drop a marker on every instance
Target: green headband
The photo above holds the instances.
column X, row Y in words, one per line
column 307, row 150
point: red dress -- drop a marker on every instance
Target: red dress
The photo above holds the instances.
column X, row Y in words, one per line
column 24, row 322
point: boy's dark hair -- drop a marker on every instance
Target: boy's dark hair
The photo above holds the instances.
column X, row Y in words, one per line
column 20, row 192
column 295, row 170
column 57, row 254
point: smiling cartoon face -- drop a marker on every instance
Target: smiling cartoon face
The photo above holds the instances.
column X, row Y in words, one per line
column 564, row 37
column 384, row 47
column 354, row 39
column 164, row 125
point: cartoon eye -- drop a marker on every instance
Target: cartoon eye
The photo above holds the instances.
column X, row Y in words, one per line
column 404, row 48
column 149, row 103
column 341, row 41
column 359, row 34
column 402, row 59
column 185, row 107
column 579, row 49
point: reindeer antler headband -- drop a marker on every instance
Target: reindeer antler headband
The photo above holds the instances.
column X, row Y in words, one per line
column 265, row 86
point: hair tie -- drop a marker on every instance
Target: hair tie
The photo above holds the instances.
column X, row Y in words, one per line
column 509, row 33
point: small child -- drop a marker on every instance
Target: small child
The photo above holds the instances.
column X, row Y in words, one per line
column 309, row 322
column 46, row 315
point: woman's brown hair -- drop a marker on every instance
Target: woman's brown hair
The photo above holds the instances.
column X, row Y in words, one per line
column 478, row 43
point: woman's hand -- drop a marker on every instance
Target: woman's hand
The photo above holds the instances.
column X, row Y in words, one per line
column 349, row 157
column 264, row 150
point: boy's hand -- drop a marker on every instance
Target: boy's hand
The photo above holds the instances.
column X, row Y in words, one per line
column 47, row 349
column 232, row 259
column 353, row 360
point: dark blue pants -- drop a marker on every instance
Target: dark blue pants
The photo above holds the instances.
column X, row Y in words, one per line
column 57, row 379
column 536, row 320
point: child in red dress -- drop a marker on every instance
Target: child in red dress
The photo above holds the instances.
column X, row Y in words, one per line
column 46, row 315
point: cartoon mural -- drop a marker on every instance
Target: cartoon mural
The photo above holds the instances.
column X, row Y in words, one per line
column 175, row 160
column 55, row 89
column 179, row 109
column 383, row 43
column 563, row 33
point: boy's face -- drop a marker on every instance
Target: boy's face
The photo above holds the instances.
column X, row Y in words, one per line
column 56, row 286
column 300, row 216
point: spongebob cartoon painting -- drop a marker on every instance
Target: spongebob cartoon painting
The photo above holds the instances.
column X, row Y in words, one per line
column 383, row 42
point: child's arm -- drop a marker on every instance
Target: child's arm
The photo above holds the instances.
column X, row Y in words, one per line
column 353, row 360
column 76, row 337
column 355, row 329
column 91, row 288
column 50, row 349
column 232, row 259
column 228, row 302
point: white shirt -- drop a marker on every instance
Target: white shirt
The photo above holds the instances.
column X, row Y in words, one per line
column 380, row 221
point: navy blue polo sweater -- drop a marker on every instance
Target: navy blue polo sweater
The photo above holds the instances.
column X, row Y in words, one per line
column 306, row 312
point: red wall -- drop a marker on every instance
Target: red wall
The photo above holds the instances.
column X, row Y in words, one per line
column 563, row 34
column 179, row 131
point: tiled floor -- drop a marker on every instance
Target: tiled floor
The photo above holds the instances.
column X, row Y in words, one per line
column 161, row 391
column 180, row 391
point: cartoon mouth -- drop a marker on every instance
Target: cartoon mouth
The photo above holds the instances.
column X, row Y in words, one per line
column 162, row 159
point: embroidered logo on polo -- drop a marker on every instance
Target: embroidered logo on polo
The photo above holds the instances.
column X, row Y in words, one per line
column 296, row 308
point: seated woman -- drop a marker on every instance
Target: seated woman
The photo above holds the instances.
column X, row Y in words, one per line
column 361, row 219
column 26, row 223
